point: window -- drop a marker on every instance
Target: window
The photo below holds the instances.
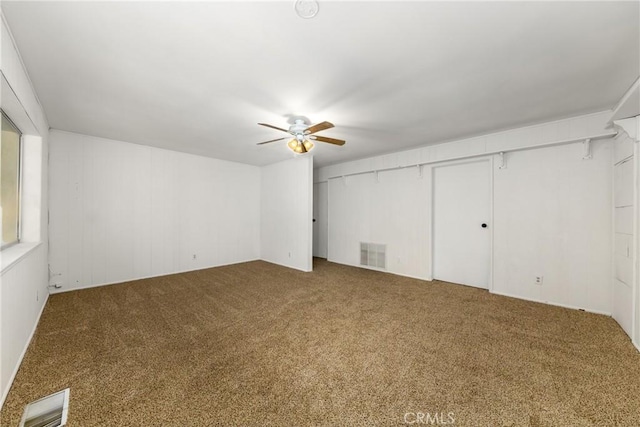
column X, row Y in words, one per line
column 10, row 182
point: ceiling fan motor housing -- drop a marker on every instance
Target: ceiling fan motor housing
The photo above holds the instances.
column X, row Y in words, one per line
column 299, row 127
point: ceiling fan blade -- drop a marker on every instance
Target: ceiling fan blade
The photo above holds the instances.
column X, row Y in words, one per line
column 318, row 127
column 273, row 140
column 304, row 149
column 329, row 140
column 273, row 127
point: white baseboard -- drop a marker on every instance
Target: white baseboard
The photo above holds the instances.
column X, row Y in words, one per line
column 380, row 270
column 409, row 276
column 572, row 307
column 288, row 266
column 5, row 393
column 133, row 279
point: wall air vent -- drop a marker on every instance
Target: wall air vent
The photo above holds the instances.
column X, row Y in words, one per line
column 373, row 255
column 50, row 411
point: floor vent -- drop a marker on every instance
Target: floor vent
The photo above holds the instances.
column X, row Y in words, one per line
column 373, row 255
column 50, row 411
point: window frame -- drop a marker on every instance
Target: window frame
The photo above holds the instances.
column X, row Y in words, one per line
column 19, row 191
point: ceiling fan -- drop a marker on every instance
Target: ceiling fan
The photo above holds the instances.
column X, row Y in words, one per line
column 303, row 134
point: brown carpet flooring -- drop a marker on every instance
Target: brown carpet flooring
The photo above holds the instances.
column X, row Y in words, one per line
column 258, row 344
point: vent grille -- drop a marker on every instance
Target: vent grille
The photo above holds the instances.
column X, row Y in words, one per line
column 373, row 255
column 50, row 411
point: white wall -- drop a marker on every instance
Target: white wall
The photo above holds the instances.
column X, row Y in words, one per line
column 122, row 211
column 24, row 294
column 636, row 281
column 552, row 218
column 552, row 211
column 23, row 280
column 538, row 135
column 287, row 213
column 392, row 209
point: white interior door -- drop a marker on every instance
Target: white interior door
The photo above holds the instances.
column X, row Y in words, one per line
column 461, row 227
column 320, row 219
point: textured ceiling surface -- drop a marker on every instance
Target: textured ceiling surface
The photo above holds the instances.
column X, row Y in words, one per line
column 198, row 76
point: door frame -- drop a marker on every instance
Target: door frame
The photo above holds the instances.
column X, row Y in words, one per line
column 316, row 225
column 431, row 210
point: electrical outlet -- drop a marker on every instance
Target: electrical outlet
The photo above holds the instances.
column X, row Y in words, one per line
column 539, row 280
column 289, row 254
column 195, row 257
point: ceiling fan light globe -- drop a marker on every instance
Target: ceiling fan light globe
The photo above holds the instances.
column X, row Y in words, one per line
column 308, row 145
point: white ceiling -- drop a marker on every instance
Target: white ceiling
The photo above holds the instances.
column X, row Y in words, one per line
column 198, row 77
